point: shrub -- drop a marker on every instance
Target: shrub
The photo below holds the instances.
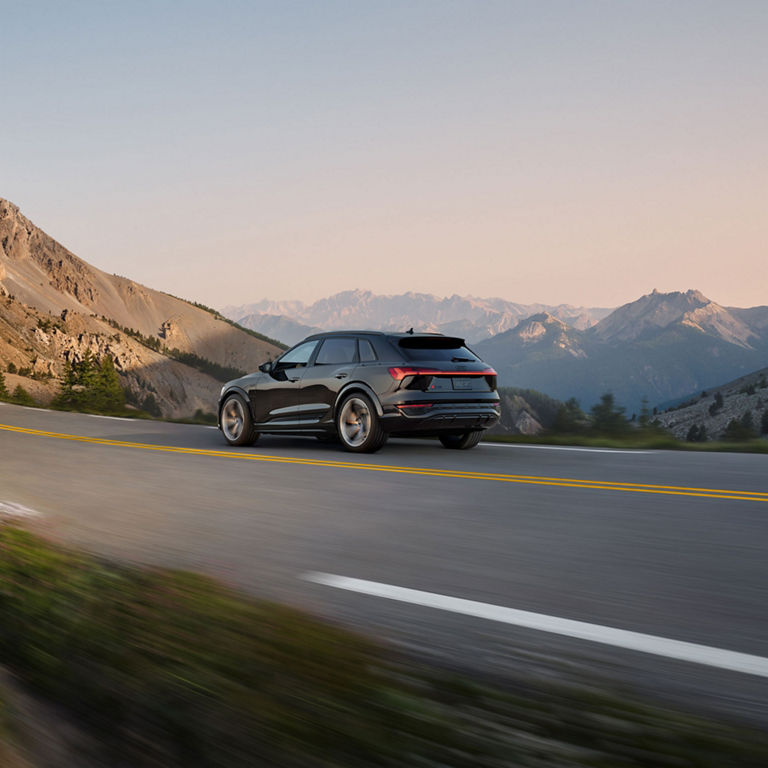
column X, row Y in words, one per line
column 4, row 393
column 764, row 423
column 697, row 434
column 12, row 368
column 150, row 405
column 22, row 397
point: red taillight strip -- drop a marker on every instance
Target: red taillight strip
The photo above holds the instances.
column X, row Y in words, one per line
column 400, row 373
column 416, row 405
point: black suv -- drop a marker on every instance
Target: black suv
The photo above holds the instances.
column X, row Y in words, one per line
column 361, row 387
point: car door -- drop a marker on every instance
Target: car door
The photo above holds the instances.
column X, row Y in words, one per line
column 333, row 365
column 275, row 399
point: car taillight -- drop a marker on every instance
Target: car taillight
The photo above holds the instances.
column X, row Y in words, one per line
column 398, row 374
column 416, row 405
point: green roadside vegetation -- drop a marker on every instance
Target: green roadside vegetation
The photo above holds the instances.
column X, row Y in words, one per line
column 170, row 668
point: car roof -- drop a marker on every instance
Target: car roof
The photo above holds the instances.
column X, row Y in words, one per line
column 324, row 334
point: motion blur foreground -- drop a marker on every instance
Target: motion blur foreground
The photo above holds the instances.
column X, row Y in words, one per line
column 361, row 387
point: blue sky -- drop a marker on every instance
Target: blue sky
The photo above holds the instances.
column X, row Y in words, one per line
column 582, row 152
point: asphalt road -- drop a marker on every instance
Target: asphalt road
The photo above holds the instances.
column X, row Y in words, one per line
column 510, row 556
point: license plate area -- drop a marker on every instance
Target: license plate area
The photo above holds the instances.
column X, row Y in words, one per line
column 469, row 383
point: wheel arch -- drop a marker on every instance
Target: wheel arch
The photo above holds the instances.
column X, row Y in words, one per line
column 234, row 391
column 361, row 387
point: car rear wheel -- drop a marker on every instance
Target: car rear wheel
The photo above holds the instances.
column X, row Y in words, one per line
column 236, row 422
column 462, row 441
column 358, row 425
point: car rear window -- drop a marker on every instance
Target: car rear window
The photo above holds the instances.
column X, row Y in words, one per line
column 437, row 348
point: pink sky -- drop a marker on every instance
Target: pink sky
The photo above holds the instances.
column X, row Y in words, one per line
column 556, row 152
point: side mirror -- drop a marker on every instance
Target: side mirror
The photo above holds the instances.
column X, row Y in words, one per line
column 266, row 367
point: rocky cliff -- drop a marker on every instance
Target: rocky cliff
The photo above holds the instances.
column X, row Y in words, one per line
column 54, row 306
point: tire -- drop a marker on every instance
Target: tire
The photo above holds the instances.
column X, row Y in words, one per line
column 236, row 422
column 358, row 425
column 462, row 442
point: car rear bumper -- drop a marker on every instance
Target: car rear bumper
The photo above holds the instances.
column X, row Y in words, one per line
column 439, row 417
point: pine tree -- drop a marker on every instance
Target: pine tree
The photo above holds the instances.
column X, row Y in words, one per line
column 91, row 386
column 4, row 394
column 645, row 413
column 108, row 395
column 22, row 397
column 764, row 423
column 569, row 418
column 608, row 418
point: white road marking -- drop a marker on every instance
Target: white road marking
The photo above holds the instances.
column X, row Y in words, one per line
column 112, row 418
column 12, row 509
column 596, row 633
column 561, row 448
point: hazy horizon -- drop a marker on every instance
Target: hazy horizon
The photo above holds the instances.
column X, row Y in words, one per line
column 542, row 153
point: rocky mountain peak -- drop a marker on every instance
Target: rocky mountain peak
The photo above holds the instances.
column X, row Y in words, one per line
column 653, row 311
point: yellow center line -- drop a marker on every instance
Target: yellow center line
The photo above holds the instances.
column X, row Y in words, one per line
column 561, row 482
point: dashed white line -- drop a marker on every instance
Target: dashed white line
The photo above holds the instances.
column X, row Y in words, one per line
column 596, row 633
column 111, row 418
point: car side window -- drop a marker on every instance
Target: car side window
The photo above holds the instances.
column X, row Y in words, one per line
column 337, row 351
column 298, row 356
column 367, row 355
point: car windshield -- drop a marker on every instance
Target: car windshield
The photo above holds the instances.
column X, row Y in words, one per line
column 436, row 348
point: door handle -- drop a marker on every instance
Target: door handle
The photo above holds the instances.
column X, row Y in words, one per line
column 342, row 375
column 296, row 379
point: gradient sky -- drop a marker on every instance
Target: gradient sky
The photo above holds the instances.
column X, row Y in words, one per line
column 579, row 152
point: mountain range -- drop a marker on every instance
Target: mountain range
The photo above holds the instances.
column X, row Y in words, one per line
column 466, row 316
column 662, row 347
column 54, row 306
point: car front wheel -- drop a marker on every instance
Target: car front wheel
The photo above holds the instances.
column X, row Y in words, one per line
column 358, row 425
column 463, row 441
column 236, row 422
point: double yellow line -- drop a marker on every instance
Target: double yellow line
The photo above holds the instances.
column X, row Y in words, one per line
column 560, row 482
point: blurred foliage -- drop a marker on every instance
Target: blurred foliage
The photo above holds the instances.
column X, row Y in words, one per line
column 171, row 669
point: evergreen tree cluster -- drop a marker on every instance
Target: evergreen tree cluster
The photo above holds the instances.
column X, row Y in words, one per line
column 91, row 386
column 20, row 395
column 740, row 429
column 697, row 434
